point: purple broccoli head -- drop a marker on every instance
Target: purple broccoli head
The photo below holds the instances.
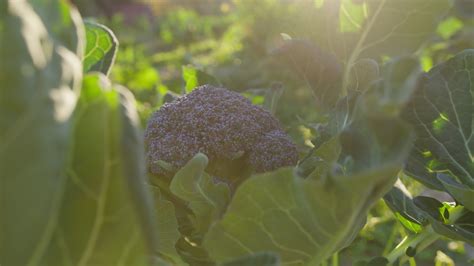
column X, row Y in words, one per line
column 236, row 135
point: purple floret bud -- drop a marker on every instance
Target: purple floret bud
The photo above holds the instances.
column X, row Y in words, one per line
column 236, row 135
column 273, row 149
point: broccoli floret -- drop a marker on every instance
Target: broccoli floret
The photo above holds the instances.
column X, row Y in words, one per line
column 236, row 135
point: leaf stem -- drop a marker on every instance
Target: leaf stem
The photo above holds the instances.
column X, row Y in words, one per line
column 335, row 259
column 391, row 240
column 419, row 241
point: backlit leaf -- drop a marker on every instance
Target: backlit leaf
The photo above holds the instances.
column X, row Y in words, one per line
column 397, row 27
column 101, row 47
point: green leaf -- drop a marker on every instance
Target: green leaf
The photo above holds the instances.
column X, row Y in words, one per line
column 442, row 111
column 303, row 220
column 329, row 151
column 195, row 76
column 449, row 27
column 364, row 72
column 464, row 194
column 133, row 158
column 107, row 214
column 321, row 162
column 145, row 77
column 430, row 206
column 190, row 78
column 203, row 200
column 167, row 228
column 257, row 259
column 316, row 68
column 417, row 167
column 351, row 16
column 374, row 138
column 101, row 48
column 399, row 79
column 397, row 27
column 400, row 202
column 206, row 199
column 448, row 220
column 63, row 22
column 39, row 79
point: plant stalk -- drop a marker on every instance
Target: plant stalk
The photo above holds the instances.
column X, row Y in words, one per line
column 335, row 259
column 423, row 239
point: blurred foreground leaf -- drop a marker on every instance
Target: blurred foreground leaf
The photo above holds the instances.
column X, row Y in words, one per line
column 39, row 79
column 99, row 223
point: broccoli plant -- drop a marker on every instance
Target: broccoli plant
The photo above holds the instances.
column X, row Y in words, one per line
column 237, row 137
column 226, row 185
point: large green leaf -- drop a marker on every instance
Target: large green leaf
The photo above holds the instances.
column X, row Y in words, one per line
column 39, row 81
column 99, row 223
column 303, row 220
column 101, row 48
column 390, row 28
column 58, row 19
column 396, row 27
column 442, row 112
column 132, row 151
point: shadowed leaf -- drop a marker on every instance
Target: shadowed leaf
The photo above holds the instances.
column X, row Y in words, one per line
column 442, row 112
column 39, row 79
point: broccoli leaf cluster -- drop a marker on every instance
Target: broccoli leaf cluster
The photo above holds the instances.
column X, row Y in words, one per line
column 236, row 135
